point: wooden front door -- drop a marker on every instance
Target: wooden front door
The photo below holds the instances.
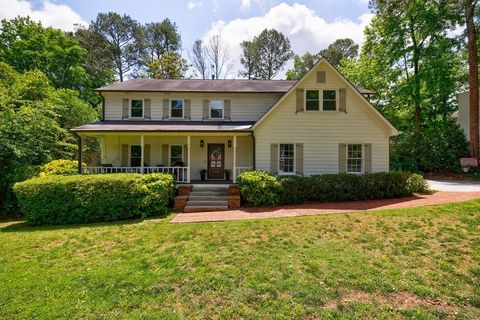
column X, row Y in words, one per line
column 216, row 161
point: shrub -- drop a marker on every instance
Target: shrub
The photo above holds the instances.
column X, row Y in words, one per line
column 81, row 198
column 259, row 188
column 329, row 187
column 8, row 201
column 60, row 167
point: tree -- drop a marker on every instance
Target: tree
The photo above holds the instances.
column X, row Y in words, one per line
column 198, row 58
column 169, row 66
column 160, row 38
column 249, row 59
column 273, row 52
column 339, row 50
column 218, row 54
column 301, row 65
column 126, row 39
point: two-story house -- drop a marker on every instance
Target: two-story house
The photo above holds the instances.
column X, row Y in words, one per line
column 219, row 128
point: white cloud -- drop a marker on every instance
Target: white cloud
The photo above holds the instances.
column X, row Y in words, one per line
column 245, row 4
column 50, row 14
column 306, row 30
column 194, row 4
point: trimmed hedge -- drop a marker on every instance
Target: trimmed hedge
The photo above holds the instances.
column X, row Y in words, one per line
column 60, row 167
column 259, row 188
column 82, row 198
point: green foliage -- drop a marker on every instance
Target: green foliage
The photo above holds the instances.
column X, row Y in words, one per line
column 259, row 188
column 249, row 59
column 301, row 65
column 170, row 65
column 160, row 38
column 59, row 167
column 8, row 202
column 341, row 49
column 438, row 149
column 81, row 199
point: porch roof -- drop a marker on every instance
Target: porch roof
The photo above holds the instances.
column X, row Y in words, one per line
column 164, row 126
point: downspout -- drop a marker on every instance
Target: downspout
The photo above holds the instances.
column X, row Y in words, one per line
column 103, row 105
column 254, row 148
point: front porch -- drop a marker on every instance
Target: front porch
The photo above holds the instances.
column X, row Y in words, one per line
column 190, row 157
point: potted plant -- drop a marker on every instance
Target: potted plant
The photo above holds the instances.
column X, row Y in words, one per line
column 203, row 174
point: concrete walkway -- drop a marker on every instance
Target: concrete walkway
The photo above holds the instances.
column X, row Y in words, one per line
column 316, row 208
column 455, row 185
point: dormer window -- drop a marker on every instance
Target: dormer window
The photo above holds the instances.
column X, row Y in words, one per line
column 216, row 109
column 176, row 108
column 136, row 108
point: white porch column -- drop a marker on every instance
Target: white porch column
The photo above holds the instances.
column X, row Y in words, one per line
column 189, row 156
column 234, row 174
column 142, row 158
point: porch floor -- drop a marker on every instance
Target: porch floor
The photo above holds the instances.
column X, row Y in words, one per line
column 208, row 182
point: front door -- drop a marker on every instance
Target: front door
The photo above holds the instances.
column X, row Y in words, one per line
column 216, row 161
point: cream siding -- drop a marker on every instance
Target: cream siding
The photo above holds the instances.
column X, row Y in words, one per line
column 322, row 132
column 244, row 106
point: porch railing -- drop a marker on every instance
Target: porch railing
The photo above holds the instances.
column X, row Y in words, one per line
column 180, row 173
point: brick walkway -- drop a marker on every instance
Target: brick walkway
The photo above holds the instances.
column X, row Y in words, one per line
column 326, row 208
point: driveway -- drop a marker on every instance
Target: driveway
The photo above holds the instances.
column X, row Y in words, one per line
column 454, row 185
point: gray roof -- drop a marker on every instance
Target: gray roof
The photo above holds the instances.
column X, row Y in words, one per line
column 164, row 126
column 193, row 85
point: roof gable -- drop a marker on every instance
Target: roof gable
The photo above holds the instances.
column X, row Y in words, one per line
column 356, row 90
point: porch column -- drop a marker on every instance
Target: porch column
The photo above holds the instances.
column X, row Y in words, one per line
column 80, row 147
column 234, row 174
column 189, row 156
column 142, row 158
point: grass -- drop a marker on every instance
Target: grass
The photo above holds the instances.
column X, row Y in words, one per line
column 412, row 263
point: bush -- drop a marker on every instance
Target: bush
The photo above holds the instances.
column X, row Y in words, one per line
column 60, row 167
column 8, row 202
column 82, row 199
column 260, row 188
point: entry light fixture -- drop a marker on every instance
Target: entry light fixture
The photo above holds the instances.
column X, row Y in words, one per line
column 202, row 143
column 229, row 143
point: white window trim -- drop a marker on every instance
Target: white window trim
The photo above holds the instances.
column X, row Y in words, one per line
column 282, row 173
column 210, row 110
column 170, row 152
column 363, row 158
column 170, row 108
column 320, row 99
column 130, row 108
column 130, row 150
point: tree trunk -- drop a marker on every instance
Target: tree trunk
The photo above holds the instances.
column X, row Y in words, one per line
column 473, row 76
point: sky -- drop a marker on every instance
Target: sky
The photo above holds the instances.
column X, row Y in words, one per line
column 311, row 25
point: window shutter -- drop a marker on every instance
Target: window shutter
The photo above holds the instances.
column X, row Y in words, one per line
column 188, row 109
column 342, row 104
column 146, row 155
column 342, row 158
column 321, row 77
column 227, row 109
column 166, row 111
column 185, row 155
column 147, row 108
column 274, row 158
column 367, row 148
column 299, row 158
column 206, row 109
column 300, row 100
column 165, row 161
column 124, row 155
column 125, row 108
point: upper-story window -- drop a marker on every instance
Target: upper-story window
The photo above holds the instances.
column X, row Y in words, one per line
column 326, row 99
column 216, row 109
column 136, row 108
column 176, row 108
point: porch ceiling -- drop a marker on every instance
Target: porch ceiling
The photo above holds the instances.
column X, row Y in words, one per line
column 165, row 126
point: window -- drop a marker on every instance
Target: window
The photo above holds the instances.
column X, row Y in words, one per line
column 354, row 158
column 216, row 109
column 176, row 108
column 329, row 100
column 312, row 102
column 136, row 110
column 135, row 156
column 286, row 158
column 176, row 155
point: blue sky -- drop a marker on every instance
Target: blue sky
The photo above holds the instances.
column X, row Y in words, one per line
column 310, row 25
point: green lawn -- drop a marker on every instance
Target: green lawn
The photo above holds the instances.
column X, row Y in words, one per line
column 413, row 263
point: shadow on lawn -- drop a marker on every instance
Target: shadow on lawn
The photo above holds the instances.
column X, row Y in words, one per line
column 22, row 226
